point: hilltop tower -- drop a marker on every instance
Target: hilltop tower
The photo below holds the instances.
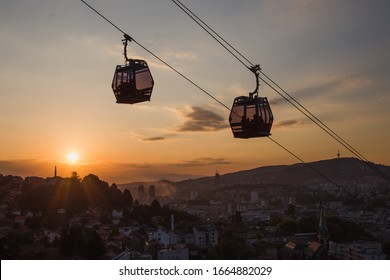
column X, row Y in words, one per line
column 55, row 171
column 338, row 153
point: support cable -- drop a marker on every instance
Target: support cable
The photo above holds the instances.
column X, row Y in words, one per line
column 211, row 96
column 295, row 103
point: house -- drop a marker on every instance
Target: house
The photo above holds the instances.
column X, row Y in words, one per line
column 39, row 235
column 126, row 231
column 161, row 237
column 316, row 251
column 356, row 250
column 131, row 255
column 6, row 224
column 16, row 212
column 117, row 214
column 29, row 214
column 51, row 235
column 103, row 233
column 176, row 252
column 20, row 220
column 205, row 236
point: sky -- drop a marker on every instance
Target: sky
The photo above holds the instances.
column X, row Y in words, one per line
column 58, row 59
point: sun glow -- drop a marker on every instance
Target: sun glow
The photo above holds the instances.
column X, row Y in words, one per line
column 73, row 157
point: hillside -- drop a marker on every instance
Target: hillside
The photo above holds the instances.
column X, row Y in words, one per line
column 347, row 171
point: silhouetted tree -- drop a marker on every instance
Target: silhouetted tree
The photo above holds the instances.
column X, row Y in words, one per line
column 127, row 198
column 93, row 247
column 236, row 218
column 231, row 247
column 288, row 226
column 155, row 207
column 80, row 242
column 96, row 191
column 115, row 197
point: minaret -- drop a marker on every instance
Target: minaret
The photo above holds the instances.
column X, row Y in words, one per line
column 338, row 153
column 323, row 233
column 55, row 171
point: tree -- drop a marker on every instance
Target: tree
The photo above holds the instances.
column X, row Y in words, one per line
column 127, row 198
column 155, row 207
column 236, row 218
column 115, row 197
column 93, row 247
column 81, row 242
column 288, row 226
column 75, row 176
column 231, row 247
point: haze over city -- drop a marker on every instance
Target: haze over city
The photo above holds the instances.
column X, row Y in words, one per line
column 58, row 59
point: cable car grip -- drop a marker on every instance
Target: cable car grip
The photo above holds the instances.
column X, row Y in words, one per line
column 127, row 38
column 255, row 69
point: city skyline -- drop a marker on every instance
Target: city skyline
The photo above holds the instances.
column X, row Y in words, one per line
column 57, row 107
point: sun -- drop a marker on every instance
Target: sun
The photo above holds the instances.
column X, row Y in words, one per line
column 73, row 157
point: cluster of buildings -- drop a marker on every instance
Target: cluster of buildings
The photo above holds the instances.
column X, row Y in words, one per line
column 257, row 207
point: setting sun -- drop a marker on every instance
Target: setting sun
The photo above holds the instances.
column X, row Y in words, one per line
column 73, row 157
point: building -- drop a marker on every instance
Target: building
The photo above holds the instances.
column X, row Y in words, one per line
column 254, row 196
column 177, row 252
column 356, row 250
column 141, row 194
column 51, row 235
column 162, row 237
column 193, row 195
column 205, row 236
column 152, row 193
column 128, row 255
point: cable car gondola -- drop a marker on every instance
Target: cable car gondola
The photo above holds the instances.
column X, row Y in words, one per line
column 251, row 116
column 132, row 82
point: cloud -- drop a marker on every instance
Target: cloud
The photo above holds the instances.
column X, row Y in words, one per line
column 289, row 123
column 203, row 161
column 201, row 119
column 157, row 138
column 336, row 85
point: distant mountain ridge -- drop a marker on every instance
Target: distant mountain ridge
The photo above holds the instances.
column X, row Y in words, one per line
column 339, row 170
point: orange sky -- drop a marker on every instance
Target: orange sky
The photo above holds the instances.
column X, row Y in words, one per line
column 58, row 60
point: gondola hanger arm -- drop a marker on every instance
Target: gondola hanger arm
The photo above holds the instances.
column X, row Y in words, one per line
column 255, row 69
column 125, row 40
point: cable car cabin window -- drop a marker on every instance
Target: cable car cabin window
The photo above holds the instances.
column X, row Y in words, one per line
column 132, row 83
column 237, row 114
column 144, row 79
column 250, row 117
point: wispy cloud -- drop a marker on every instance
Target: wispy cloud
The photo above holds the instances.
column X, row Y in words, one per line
column 201, row 119
column 289, row 123
column 157, row 138
column 203, row 161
